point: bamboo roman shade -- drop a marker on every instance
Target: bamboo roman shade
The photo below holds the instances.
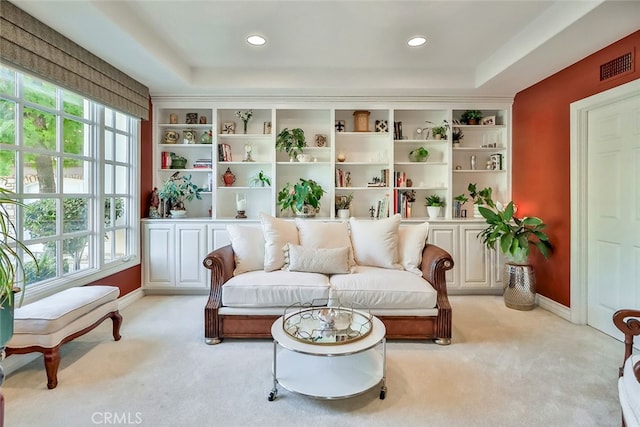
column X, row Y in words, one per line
column 34, row 47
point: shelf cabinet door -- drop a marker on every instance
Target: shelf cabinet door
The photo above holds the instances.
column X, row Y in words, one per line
column 191, row 240
column 446, row 237
column 159, row 259
column 474, row 259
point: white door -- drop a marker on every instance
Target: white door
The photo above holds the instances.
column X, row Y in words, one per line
column 613, row 211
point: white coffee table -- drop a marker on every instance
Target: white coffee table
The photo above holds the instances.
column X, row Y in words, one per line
column 329, row 370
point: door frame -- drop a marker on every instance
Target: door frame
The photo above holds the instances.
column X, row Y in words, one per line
column 579, row 111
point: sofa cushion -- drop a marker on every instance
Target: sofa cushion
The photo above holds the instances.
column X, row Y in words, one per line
column 318, row 234
column 375, row 243
column 274, row 289
column 381, row 288
column 56, row 311
column 411, row 240
column 316, row 260
column 247, row 242
column 277, row 233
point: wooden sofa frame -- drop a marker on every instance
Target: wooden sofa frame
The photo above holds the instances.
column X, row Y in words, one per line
column 435, row 262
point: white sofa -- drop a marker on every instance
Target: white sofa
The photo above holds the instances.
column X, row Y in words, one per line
column 371, row 263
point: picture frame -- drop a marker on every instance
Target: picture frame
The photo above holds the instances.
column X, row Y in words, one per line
column 340, row 126
column 228, row 128
column 488, row 121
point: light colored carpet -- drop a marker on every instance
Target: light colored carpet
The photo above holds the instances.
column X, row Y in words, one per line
column 504, row 368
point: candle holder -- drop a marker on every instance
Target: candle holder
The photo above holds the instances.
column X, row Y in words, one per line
column 241, row 205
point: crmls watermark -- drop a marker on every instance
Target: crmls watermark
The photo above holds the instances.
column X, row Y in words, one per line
column 116, row 418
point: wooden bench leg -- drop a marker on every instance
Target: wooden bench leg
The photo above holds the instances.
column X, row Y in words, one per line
column 116, row 317
column 51, row 363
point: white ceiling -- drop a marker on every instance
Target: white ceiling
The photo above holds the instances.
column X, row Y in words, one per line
column 475, row 48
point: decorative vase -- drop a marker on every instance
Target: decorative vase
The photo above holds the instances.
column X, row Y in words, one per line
column 519, row 286
column 307, row 211
column 343, row 213
column 179, row 213
column 476, row 211
column 245, row 125
column 228, row 178
column 361, row 121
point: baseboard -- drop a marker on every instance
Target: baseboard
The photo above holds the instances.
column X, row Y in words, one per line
column 130, row 298
column 17, row 361
column 554, row 307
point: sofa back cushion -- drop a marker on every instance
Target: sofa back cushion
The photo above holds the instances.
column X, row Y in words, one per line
column 375, row 243
column 247, row 242
column 317, row 260
column 411, row 241
column 324, row 235
column 277, row 233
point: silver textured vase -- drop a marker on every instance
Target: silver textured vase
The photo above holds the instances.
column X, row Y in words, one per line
column 519, row 286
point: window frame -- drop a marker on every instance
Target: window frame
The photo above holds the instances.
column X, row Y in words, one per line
column 94, row 114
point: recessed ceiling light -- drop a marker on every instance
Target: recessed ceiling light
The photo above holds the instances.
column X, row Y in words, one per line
column 416, row 41
column 256, row 40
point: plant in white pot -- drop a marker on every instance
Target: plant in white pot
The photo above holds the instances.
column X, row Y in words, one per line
column 12, row 267
column 515, row 238
column 343, row 204
column 176, row 190
column 479, row 198
column 434, row 204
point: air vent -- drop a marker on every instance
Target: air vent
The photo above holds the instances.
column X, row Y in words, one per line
column 615, row 67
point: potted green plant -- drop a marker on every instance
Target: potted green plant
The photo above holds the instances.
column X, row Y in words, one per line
column 515, row 238
column 420, row 154
column 456, row 135
column 434, row 204
column 176, row 190
column 343, row 204
column 440, row 132
column 479, row 197
column 260, row 180
column 303, row 198
column 292, row 141
column 12, row 265
column 471, row 117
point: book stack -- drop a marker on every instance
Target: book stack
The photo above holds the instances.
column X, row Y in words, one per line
column 224, row 153
column 202, row 164
column 343, row 178
column 165, row 160
column 401, row 179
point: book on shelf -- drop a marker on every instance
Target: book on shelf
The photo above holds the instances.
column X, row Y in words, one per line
column 203, row 164
column 165, row 159
column 224, row 153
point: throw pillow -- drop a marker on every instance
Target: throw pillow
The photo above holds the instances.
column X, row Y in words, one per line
column 411, row 240
column 317, row 234
column 317, row 260
column 277, row 233
column 375, row 242
column 247, row 242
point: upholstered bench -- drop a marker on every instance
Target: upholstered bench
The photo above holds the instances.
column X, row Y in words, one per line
column 48, row 323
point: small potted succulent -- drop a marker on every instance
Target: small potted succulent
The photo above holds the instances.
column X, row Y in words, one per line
column 303, row 198
column 176, row 190
column 292, row 141
column 434, row 204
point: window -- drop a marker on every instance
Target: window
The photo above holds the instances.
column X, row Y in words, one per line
column 73, row 163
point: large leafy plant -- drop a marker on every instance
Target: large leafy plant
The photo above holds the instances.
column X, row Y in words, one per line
column 178, row 189
column 515, row 236
column 291, row 140
column 11, row 263
column 304, row 192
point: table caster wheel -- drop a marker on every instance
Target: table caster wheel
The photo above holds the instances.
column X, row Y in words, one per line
column 383, row 394
column 272, row 396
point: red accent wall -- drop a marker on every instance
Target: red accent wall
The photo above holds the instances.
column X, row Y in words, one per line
column 541, row 155
column 131, row 278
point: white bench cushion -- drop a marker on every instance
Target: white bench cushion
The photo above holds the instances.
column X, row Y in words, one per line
column 629, row 389
column 274, row 289
column 383, row 288
column 56, row 311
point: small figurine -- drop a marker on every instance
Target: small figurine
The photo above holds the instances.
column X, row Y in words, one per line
column 154, row 204
column 348, row 179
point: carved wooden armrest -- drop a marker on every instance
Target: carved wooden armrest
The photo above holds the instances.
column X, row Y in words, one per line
column 628, row 321
column 221, row 262
column 435, row 263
